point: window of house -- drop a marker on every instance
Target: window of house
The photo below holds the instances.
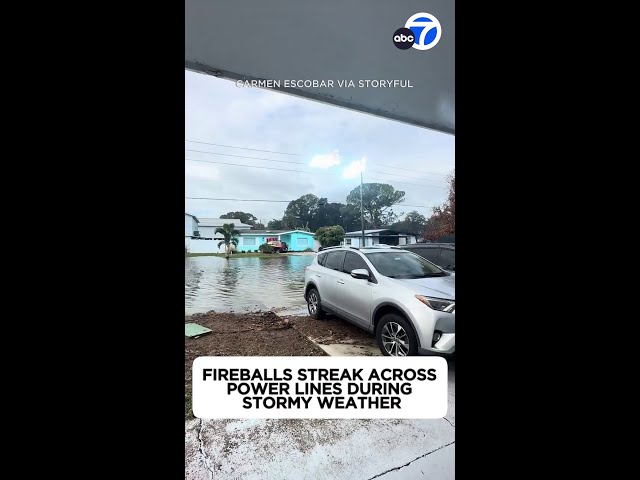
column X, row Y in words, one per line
column 347, row 241
column 303, row 242
column 249, row 241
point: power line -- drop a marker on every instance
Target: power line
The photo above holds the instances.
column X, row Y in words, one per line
column 255, row 166
column 407, row 183
column 297, row 155
column 410, row 170
column 280, row 201
column 302, row 171
column 396, row 175
column 243, row 156
column 237, row 199
column 242, row 148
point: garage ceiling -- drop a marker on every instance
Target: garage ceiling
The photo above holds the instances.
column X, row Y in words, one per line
column 330, row 40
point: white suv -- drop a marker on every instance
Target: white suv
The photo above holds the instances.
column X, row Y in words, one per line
column 407, row 301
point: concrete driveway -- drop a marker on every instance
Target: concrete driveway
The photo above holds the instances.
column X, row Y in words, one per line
column 323, row 449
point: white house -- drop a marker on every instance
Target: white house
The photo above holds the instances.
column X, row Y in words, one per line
column 190, row 230
column 207, row 226
column 380, row 236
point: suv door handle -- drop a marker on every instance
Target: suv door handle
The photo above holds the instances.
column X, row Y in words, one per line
column 318, row 275
column 341, row 282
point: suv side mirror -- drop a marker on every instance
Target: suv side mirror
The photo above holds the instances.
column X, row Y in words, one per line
column 360, row 273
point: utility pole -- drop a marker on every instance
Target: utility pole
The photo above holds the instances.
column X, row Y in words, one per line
column 361, row 211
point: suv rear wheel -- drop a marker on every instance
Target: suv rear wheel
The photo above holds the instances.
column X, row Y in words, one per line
column 395, row 336
column 314, row 305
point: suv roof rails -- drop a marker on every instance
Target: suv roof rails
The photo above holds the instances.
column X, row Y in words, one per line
column 422, row 244
column 329, row 248
column 338, row 246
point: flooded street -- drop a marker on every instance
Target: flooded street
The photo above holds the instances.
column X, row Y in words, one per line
column 213, row 283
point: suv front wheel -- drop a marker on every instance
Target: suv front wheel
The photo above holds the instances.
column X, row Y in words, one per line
column 395, row 336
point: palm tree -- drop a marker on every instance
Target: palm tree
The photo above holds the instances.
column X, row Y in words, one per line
column 230, row 235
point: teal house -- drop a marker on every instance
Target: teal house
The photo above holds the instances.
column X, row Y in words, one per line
column 296, row 240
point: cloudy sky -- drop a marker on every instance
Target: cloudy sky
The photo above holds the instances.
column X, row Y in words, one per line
column 329, row 142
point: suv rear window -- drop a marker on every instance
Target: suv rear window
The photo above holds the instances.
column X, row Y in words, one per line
column 334, row 260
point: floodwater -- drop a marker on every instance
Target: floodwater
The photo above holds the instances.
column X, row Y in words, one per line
column 214, row 283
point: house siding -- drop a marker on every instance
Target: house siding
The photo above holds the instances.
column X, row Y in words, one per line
column 243, row 246
column 190, row 225
column 210, row 231
column 300, row 241
column 292, row 240
column 375, row 240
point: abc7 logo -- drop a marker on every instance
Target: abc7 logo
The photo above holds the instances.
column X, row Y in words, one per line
column 403, row 38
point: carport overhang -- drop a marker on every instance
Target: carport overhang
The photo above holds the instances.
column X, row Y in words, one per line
column 282, row 40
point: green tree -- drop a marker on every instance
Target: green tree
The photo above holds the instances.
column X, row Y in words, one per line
column 377, row 200
column 328, row 214
column 350, row 217
column 230, row 234
column 244, row 217
column 276, row 225
column 413, row 222
column 300, row 213
column 330, row 236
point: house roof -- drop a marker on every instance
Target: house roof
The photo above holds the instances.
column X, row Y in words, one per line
column 299, row 231
column 218, row 222
column 192, row 216
column 274, row 232
column 369, row 233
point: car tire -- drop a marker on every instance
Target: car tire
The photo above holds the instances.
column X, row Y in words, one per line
column 314, row 305
column 398, row 335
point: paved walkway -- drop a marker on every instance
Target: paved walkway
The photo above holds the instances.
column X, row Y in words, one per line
column 323, row 449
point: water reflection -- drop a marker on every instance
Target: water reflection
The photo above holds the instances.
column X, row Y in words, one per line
column 213, row 283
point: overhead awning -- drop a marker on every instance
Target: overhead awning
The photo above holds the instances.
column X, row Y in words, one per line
column 281, row 40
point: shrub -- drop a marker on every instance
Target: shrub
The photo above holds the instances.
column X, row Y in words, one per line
column 330, row 236
column 308, row 249
column 266, row 248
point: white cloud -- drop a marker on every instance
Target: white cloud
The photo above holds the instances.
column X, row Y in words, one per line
column 354, row 168
column 217, row 111
column 325, row 161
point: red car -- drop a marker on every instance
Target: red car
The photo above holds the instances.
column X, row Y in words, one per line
column 278, row 246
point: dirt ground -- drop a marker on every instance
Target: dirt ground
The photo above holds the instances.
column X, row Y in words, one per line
column 243, row 334
column 237, row 334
